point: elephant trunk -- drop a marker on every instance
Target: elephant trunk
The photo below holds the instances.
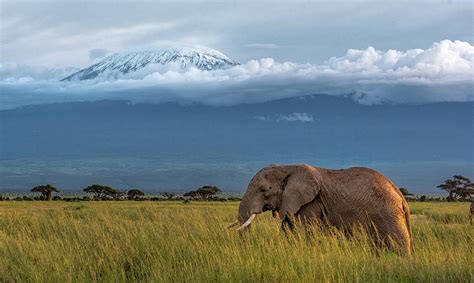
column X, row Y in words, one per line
column 244, row 210
column 248, row 209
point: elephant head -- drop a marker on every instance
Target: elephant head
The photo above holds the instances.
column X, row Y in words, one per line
column 280, row 188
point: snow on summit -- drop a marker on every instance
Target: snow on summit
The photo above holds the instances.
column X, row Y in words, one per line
column 203, row 58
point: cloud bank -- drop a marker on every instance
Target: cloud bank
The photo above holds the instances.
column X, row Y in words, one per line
column 443, row 72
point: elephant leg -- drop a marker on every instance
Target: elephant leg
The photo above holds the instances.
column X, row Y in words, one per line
column 394, row 236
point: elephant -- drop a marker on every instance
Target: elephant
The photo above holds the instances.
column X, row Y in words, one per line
column 344, row 198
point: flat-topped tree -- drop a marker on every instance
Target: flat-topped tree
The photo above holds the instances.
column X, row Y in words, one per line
column 46, row 191
column 204, row 192
column 467, row 191
column 135, row 193
column 458, row 186
column 102, row 191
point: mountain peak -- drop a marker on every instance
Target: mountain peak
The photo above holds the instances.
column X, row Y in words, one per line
column 203, row 58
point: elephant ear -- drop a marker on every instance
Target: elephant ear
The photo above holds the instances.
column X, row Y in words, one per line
column 299, row 187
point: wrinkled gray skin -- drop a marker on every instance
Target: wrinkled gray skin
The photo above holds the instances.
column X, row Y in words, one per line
column 303, row 194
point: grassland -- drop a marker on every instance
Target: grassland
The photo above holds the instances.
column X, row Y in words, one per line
column 176, row 242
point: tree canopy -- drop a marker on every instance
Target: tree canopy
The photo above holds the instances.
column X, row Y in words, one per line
column 46, row 191
column 204, row 192
column 103, row 192
column 457, row 187
column 135, row 193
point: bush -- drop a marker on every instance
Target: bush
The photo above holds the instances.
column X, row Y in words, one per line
column 234, row 199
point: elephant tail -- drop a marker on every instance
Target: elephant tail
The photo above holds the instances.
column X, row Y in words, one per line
column 406, row 210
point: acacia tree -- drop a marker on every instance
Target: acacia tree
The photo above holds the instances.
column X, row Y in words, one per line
column 467, row 191
column 135, row 193
column 46, row 191
column 103, row 192
column 205, row 192
column 458, row 186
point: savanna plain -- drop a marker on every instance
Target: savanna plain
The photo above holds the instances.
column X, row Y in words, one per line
column 168, row 241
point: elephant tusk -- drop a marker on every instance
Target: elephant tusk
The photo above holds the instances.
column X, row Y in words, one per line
column 247, row 223
column 233, row 224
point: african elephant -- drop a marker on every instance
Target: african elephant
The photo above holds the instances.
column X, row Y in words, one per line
column 341, row 198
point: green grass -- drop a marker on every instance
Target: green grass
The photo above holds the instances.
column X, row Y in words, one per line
column 172, row 241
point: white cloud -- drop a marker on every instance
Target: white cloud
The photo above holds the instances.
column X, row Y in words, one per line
column 292, row 117
column 296, row 117
column 446, row 60
column 262, row 45
column 443, row 72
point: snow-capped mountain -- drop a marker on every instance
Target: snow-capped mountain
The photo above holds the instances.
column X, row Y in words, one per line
column 206, row 59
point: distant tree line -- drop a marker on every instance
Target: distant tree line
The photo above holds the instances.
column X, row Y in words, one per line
column 103, row 193
column 459, row 188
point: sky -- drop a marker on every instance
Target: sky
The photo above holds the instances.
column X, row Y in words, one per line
column 70, row 33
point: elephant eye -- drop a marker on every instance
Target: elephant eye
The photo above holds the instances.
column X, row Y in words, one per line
column 262, row 190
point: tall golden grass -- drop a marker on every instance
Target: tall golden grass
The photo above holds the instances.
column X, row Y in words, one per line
column 176, row 242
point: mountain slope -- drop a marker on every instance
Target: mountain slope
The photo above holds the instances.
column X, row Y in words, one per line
column 178, row 147
column 202, row 58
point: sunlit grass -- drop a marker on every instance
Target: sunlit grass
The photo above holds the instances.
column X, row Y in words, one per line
column 172, row 241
